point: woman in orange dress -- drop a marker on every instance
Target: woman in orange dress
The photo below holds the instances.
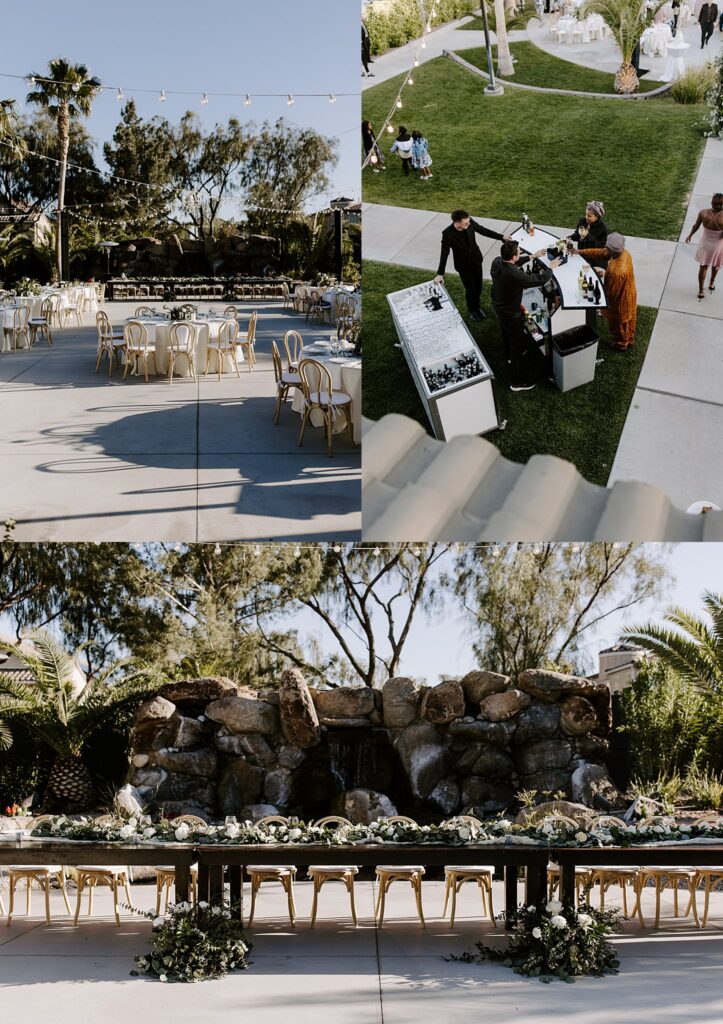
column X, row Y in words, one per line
column 620, row 293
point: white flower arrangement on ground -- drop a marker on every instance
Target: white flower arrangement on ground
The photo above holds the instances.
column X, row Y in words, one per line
column 194, row 943
column 553, row 941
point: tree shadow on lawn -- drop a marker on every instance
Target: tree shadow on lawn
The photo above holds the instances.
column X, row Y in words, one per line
column 582, row 426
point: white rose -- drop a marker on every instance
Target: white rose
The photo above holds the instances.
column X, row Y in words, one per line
column 536, row 933
column 158, row 922
column 530, row 908
column 464, row 833
column 659, row 829
column 503, row 823
column 232, row 831
column 127, row 831
column 182, row 832
column 295, row 834
column 133, row 822
column 557, row 921
column 148, row 832
column 684, row 828
column 163, row 977
column 553, row 907
column 581, row 836
column 584, row 920
column 202, row 904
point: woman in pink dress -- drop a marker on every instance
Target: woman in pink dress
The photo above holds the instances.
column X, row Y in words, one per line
column 710, row 249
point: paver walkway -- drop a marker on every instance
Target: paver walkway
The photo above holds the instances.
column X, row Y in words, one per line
column 82, row 456
column 396, row 975
column 673, row 429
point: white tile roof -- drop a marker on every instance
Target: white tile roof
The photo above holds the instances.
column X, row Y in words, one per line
column 417, row 488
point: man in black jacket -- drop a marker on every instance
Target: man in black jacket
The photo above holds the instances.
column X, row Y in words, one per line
column 508, row 284
column 459, row 239
column 707, row 17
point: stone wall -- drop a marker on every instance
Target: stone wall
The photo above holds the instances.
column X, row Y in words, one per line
column 205, row 746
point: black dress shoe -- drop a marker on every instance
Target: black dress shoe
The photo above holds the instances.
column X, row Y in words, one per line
column 475, row 316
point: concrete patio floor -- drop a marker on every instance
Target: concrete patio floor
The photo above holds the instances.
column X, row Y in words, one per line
column 87, row 457
column 395, row 975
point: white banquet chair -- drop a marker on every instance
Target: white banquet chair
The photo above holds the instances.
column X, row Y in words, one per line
column 182, row 343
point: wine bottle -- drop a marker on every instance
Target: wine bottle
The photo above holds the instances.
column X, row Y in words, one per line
column 590, row 291
column 598, row 292
column 584, row 286
column 525, row 223
column 580, row 279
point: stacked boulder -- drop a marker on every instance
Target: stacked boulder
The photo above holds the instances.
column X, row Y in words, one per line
column 204, row 746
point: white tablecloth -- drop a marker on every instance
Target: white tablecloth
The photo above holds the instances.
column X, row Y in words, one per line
column 346, row 376
column 159, row 334
column 676, row 62
column 336, row 296
column 654, row 41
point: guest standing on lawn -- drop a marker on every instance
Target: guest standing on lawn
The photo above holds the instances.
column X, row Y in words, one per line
column 421, row 160
column 620, row 291
column 710, row 249
column 403, row 146
column 366, row 52
column 508, row 283
column 372, row 153
column 707, row 17
column 459, row 239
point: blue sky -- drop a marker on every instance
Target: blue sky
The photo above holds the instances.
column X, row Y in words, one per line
column 232, row 46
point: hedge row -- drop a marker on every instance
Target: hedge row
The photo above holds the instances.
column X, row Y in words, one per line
column 398, row 22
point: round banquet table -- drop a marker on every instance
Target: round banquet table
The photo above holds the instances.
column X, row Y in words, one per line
column 655, row 40
column 159, row 334
column 346, row 376
column 337, row 295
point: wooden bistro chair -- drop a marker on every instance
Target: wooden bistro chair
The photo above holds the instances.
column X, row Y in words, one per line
column 231, row 312
column 73, row 309
column 321, row 873
column 102, row 874
column 318, row 308
column 286, row 380
column 108, row 342
column 605, row 876
column 42, row 875
column 287, row 299
column 283, row 873
column 21, row 328
column 226, row 344
column 138, row 347
column 294, row 345
column 665, row 878
column 143, row 311
column 247, row 340
column 389, row 873
column 318, row 390
column 456, row 875
column 182, row 337
column 711, row 877
column 42, row 324
column 166, row 876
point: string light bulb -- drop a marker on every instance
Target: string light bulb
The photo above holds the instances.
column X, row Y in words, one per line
column 247, row 101
column 204, row 99
column 119, row 95
column 75, row 87
column 290, row 101
column 410, row 80
column 162, row 96
column 390, row 129
column 332, row 98
column 217, row 549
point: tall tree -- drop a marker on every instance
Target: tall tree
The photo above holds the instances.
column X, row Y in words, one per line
column 206, row 167
column 141, row 150
column 67, row 92
column 505, row 67
column 286, row 167
column 693, row 647
column 533, row 605
column 11, row 142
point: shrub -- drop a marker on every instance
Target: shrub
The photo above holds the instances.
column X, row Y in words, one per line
column 396, row 22
column 694, row 85
column 705, row 788
column 665, row 789
column 715, row 100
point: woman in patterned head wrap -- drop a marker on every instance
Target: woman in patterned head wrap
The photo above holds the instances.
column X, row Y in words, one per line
column 592, row 231
column 620, row 291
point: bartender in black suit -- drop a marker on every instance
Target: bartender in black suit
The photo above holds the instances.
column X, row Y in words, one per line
column 459, row 239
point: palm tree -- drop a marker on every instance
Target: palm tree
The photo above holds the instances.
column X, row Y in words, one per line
column 64, row 709
column 505, row 67
column 66, row 92
column 694, row 649
column 627, row 20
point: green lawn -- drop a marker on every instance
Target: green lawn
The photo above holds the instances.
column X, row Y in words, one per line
column 536, row 67
column 582, row 425
column 546, row 155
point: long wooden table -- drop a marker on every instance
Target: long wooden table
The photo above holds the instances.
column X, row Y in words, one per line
column 213, row 860
column 71, row 853
column 682, row 855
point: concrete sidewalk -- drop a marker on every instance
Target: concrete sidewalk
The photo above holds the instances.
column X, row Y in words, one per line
column 395, row 975
column 672, row 433
column 85, row 457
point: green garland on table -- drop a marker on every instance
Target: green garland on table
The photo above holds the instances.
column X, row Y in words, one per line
column 549, row 833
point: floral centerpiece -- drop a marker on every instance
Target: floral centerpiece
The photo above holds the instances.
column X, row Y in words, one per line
column 15, row 811
column 553, row 941
column 193, row 943
column 28, row 286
